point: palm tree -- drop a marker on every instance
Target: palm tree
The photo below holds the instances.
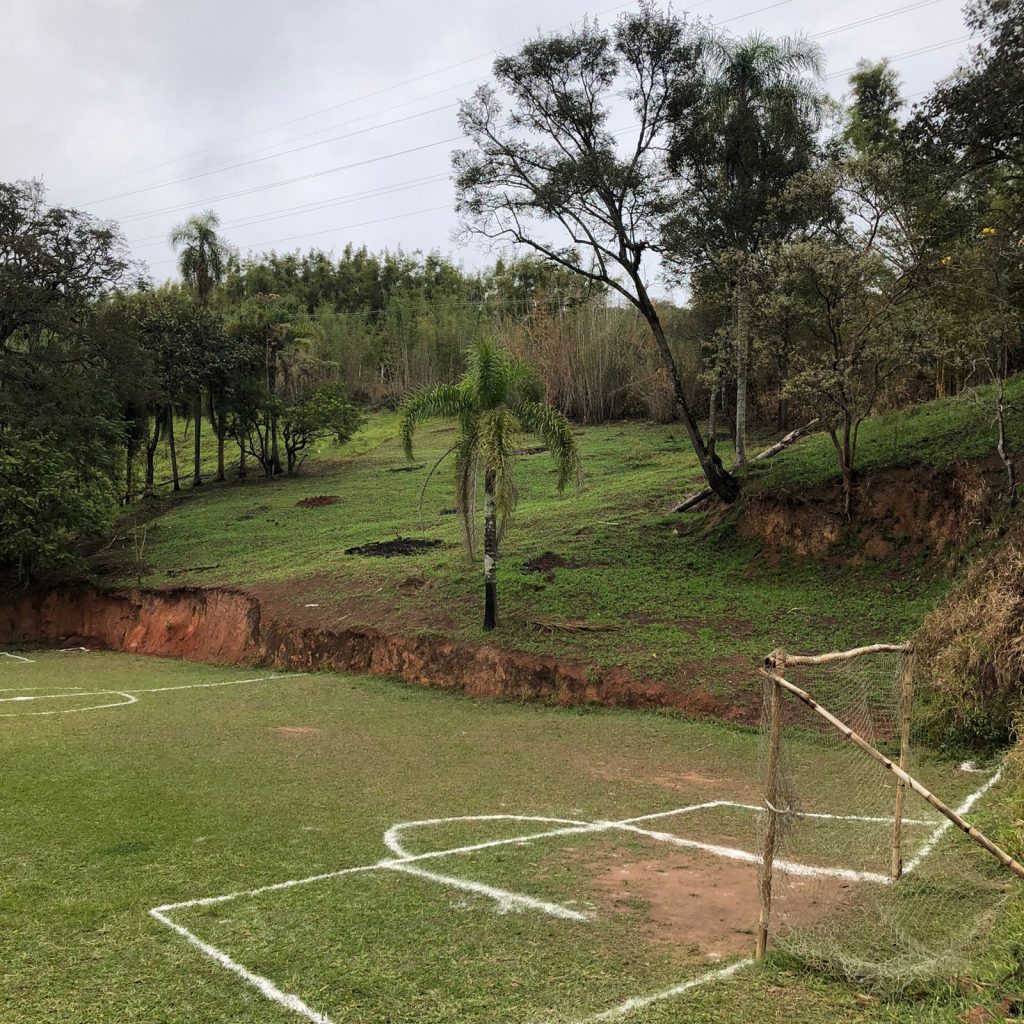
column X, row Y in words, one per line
column 496, row 400
column 201, row 262
column 753, row 129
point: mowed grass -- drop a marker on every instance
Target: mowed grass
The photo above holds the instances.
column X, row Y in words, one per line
column 701, row 608
column 211, row 790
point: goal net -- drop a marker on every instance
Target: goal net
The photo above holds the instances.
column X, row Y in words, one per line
column 860, row 876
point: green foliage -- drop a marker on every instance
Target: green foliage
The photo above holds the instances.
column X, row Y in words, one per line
column 50, row 495
column 203, row 257
column 69, row 380
column 873, row 125
column 738, row 137
column 497, row 399
column 323, row 414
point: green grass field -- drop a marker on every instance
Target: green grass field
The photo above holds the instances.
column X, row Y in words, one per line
column 193, row 790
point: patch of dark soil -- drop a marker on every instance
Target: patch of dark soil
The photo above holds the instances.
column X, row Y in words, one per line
column 255, row 512
column 411, row 583
column 317, row 501
column 405, row 469
column 531, row 451
column 548, row 562
column 449, row 512
column 393, row 548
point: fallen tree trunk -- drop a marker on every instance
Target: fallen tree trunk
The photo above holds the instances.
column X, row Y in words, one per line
column 794, row 435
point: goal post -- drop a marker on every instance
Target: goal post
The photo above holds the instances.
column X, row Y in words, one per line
column 880, row 696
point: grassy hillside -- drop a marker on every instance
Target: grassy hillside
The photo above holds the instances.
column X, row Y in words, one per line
column 699, row 607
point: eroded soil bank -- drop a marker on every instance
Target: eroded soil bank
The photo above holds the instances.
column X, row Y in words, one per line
column 229, row 627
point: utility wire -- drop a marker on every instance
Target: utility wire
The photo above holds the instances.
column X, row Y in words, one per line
column 323, row 204
column 272, row 156
column 328, row 109
column 829, row 32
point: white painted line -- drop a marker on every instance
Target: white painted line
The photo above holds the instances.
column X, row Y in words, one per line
column 507, row 901
column 129, row 699
column 131, row 695
column 932, row 841
column 264, row 985
column 17, row 657
column 731, row 853
column 391, row 836
column 639, row 1002
column 225, row 682
column 71, row 650
column 800, row 814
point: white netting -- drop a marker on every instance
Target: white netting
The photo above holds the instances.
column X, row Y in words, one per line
column 834, row 901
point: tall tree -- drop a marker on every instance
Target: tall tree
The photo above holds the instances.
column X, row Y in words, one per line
column 65, row 384
column 497, row 400
column 748, row 128
column 202, row 261
column 552, row 174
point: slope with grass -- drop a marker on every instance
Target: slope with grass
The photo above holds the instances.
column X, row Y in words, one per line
column 602, row 577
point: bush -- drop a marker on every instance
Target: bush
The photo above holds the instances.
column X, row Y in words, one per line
column 970, row 652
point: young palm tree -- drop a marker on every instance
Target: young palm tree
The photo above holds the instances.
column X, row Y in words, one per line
column 201, row 262
column 496, row 401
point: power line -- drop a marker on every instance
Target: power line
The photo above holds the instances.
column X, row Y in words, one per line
column 904, row 56
column 191, row 204
column 341, row 227
column 877, row 17
column 251, row 221
column 829, row 32
column 328, row 109
column 272, row 156
column 323, row 204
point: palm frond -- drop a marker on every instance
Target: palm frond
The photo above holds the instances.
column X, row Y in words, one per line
column 499, row 430
column 555, row 431
column 522, row 383
column 487, row 376
column 467, row 463
column 448, row 401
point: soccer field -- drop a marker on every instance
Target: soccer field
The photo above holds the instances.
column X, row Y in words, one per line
column 191, row 843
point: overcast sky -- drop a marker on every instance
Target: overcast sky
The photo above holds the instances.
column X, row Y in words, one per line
column 108, row 97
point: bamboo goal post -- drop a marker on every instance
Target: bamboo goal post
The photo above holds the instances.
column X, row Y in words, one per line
column 774, row 665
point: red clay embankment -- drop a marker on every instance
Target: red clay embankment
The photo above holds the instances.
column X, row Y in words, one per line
column 229, row 627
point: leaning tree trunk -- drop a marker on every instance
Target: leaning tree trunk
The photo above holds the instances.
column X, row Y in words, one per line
column 719, row 479
column 490, row 553
column 173, row 449
column 197, row 413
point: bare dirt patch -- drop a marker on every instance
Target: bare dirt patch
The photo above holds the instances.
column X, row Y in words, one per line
column 901, row 512
column 695, row 900
column 548, row 562
column 318, row 501
column 398, row 547
column 689, row 899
